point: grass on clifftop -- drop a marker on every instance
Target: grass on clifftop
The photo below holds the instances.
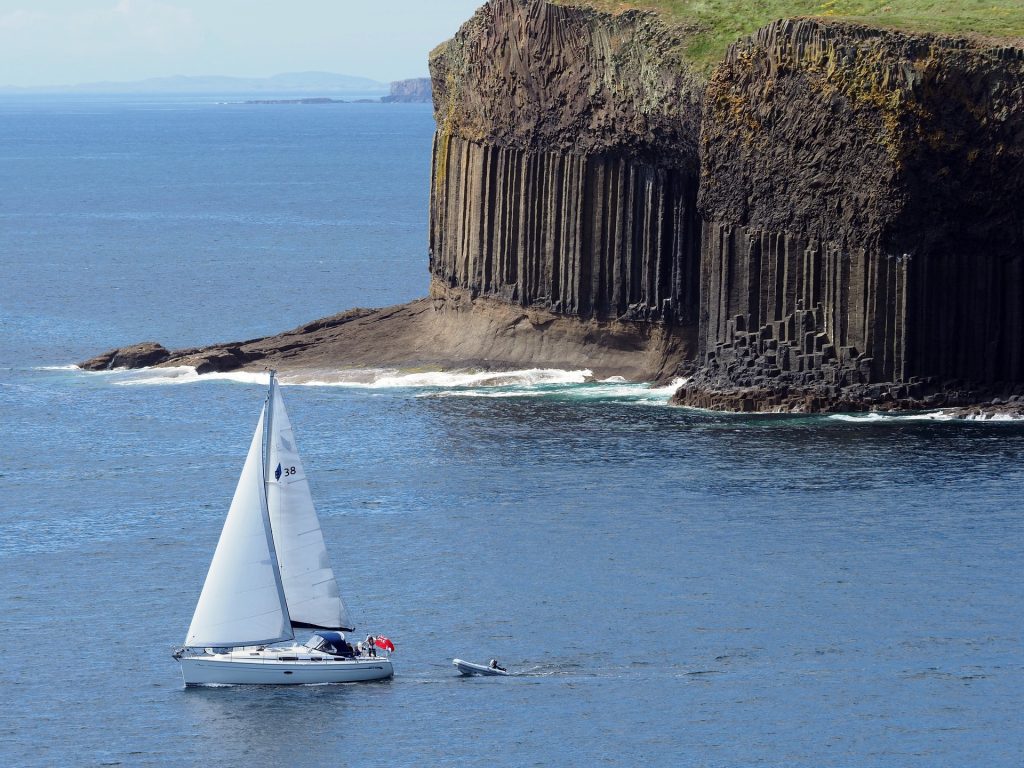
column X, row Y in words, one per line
column 721, row 22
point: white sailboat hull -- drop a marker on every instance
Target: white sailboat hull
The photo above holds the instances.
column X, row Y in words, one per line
column 232, row 670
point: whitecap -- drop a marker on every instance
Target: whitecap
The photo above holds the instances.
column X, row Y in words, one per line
column 938, row 415
column 392, row 378
column 605, row 390
column 525, row 378
column 876, row 417
column 859, row 417
column 926, row 416
column 994, row 417
column 182, row 374
column 367, row 378
column 669, row 389
column 577, row 384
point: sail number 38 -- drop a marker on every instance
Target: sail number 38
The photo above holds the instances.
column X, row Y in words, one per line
column 289, row 471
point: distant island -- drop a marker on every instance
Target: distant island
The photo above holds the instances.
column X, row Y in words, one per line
column 414, row 91
column 309, row 100
column 289, row 82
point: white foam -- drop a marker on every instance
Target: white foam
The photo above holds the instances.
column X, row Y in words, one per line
column 926, row 416
column 939, row 415
column 529, row 382
column 390, row 378
column 617, row 389
column 526, row 378
column 669, row 389
column 994, row 417
column 182, row 374
column 859, row 418
column 876, row 417
column 367, row 378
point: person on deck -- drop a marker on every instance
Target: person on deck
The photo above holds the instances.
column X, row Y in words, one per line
column 371, row 645
column 494, row 665
column 345, row 648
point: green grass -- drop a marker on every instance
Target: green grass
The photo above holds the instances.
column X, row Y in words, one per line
column 721, row 22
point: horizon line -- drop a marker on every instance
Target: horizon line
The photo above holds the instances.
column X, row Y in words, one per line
column 179, row 78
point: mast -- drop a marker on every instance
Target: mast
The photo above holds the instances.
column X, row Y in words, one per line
column 265, row 503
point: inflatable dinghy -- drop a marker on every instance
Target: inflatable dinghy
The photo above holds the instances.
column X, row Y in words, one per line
column 469, row 668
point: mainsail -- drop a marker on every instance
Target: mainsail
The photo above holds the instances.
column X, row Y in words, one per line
column 309, row 584
column 242, row 602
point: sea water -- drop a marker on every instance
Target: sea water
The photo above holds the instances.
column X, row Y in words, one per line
column 673, row 587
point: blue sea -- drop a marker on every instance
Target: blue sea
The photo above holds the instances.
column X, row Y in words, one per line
column 674, row 587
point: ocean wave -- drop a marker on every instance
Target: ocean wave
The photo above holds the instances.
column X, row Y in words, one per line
column 183, row 374
column 528, row 382
column 364, row 378
column 619, row 390
column 861, row 418
column 939, row 415
column 386, row 378
column 994, row 417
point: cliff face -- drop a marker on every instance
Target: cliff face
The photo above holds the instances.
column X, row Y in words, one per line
column 832, row 221
column 565, row 164
column 838, row 207
column 416, row 90
column 861, row 194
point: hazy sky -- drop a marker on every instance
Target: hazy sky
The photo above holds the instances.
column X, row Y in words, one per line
column 58, row 42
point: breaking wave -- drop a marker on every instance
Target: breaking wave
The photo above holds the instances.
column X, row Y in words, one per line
column 525, row 383
column 940, row 415
column 129, row 377
column 615, row 389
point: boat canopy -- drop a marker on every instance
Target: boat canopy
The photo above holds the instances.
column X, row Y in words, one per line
column 328, row 642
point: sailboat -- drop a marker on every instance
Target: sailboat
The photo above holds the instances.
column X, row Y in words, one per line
column 270, row 574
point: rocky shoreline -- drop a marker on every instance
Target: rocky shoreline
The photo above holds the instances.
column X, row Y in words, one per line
column 418, row 336
column 951, row 398
column 453, row 332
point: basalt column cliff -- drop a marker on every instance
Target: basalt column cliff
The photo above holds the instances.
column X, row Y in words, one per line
column 863, row 239
column 859, row 225
column 565, row 166
column 833, row 219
